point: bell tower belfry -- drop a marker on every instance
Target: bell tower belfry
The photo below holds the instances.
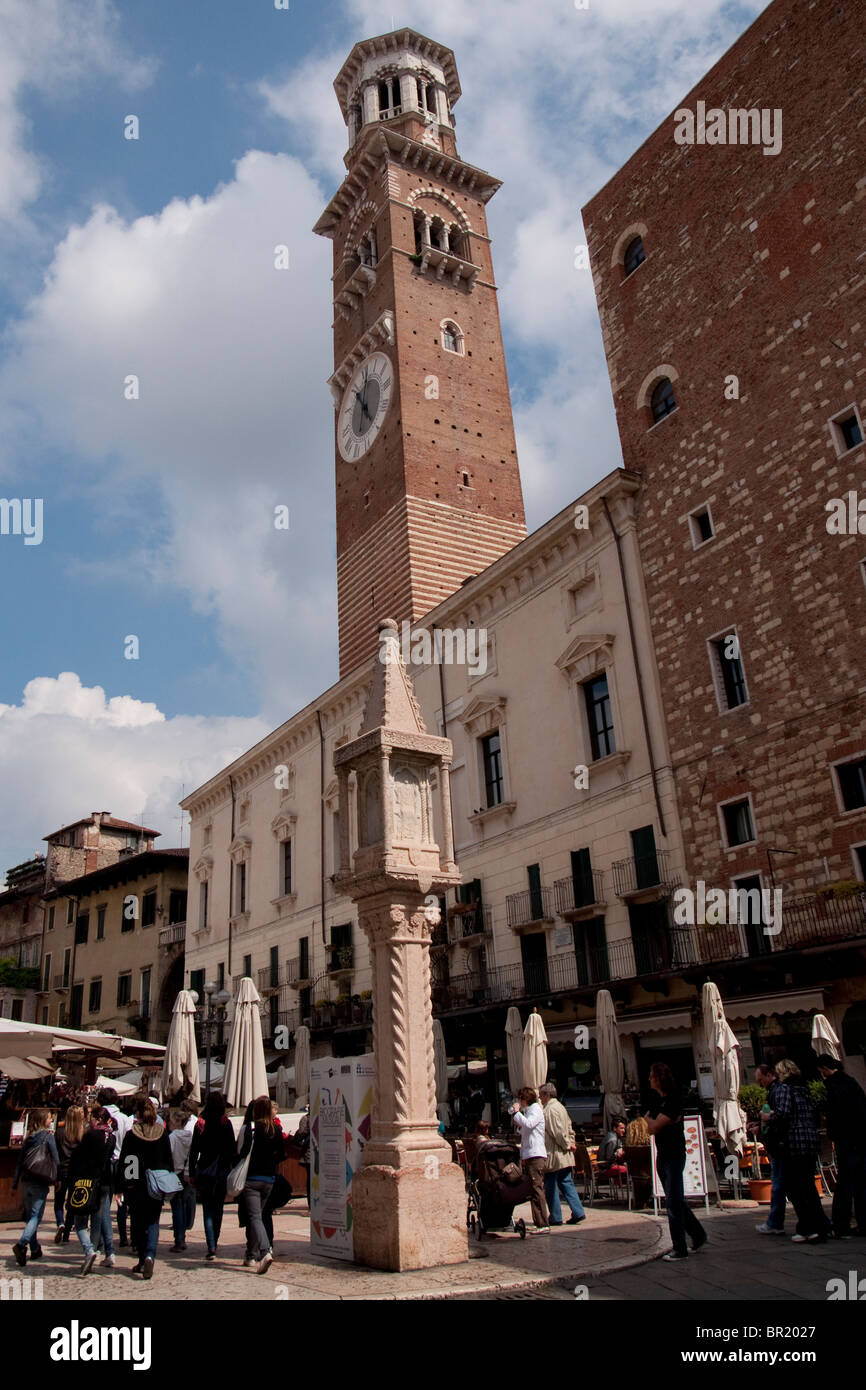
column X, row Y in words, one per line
column 427, row 482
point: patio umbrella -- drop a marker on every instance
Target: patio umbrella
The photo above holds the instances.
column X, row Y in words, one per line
column 440, row 1058
column 285, row 1077
column 610, row 1063
column 824, row 1038
column 514, row 1049
column 302, row 1066
column 534, row 1052
column 725, row 1060
column 180, row 1065
column 246, row 1076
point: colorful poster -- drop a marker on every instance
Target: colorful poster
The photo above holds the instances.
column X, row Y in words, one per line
column 695, row 1171
column 341, row 1106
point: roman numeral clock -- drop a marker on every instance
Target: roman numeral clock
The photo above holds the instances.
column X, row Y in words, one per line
column 427, row 484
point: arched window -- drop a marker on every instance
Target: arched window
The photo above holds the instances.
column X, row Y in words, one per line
column 634, row 255
column 389, row 97
column 439, row 234
column 662, row 400
column 367, row 253
column 452, row 336
column 430, row 94
column 458, row 241
column 420, row 222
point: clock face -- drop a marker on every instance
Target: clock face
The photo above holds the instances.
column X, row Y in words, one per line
column 365, row 405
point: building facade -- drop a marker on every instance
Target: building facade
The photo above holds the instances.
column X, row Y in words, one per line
column 112, row 956
column 684, row 585
column 730, row 281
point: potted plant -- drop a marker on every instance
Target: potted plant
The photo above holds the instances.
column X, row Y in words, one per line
column 366, row 1005
column 752, row 1098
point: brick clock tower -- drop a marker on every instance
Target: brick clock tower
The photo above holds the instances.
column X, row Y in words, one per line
column 428, row 488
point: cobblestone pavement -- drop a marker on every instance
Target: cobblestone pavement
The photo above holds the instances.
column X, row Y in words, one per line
column 607, row 1239
column 613, row 1255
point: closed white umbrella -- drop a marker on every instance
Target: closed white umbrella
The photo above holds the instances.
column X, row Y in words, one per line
column 180, row 1065
column 824, row 1038
column 534, row 1052
column 725, row 1060
column 610, row 1064
column 246, row 1076
column 514, row 1049
column 440, row 1059
column 285, row 1077
column 302, row 1065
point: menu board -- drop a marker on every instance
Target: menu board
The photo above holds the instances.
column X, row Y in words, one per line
column 695, row 1171
column 341, row 1106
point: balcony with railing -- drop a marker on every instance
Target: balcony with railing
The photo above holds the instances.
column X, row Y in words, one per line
column 61, row 981
column 469, row 922
column 579, row 896
column 296, row 972
column 269, row 978
column 172, row 935
column 645, row 875
column 529, row 908
column 341, row 960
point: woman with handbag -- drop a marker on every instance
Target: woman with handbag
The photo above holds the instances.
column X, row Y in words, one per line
column 37, row 1167
column 89, row 1165
column 212, row 1154
column 262, row 1149
column 145, row 1149
column 68, row 1139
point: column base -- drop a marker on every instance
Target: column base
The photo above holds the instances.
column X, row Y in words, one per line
column 409, row 1218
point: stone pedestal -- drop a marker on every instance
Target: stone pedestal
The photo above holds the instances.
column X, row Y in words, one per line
column 408, row 1199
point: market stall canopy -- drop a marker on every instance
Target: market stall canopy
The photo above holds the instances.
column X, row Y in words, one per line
column 25, row 1068
column 123, row 1088
column 47, row 1040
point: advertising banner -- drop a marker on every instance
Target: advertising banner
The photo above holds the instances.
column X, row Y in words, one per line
column 341, row 1104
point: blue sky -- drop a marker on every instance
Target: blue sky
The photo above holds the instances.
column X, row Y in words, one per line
column 154, row 257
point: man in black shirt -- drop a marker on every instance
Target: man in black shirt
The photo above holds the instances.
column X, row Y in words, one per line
column 846, row 1127
column 665, row 1122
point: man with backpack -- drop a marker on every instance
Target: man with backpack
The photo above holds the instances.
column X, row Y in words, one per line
column 36, row 1169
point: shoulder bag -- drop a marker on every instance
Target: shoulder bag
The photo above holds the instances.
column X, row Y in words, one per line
column 237, row 1178
column 162, row 1183
column 40, row 1164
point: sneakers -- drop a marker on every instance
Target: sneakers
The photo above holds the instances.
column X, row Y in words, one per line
column 575, row 1220
column 37, row 1253
column 264, row 1263
column 766, row 1230
column 248, row 1259
column 541, row 1230
column 108, row 1262
column 89, row 1262
column 147, row 1269
column 58, row 1235
column 675, row 1255
column 801, row 1240
column 211, row 1255
column 20, row 1253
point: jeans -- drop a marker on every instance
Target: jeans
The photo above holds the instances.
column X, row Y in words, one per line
column 256, row 1193
column 776, row 1217
column 81, row 1220
column 212, row 1214
column 35, row 1197
column 850, row 1187
column 682, row 1221
column 183, row 1212
column 561, row 1183
column 145, row 1214
column 122, row 1215
column 101, row 1231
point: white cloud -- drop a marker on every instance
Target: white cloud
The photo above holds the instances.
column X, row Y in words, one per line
column 233, row 418
column 66, row 749
column 52, row 46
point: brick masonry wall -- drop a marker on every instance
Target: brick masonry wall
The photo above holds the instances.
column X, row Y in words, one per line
column 755, row 268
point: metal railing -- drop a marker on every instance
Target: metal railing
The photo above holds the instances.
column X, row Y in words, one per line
column 641, row 872
column 341, row 958
column 573, row 894
column 522, row 909
column 61, row 981
column 170, row 936
column 470, row 919
column 269, row 978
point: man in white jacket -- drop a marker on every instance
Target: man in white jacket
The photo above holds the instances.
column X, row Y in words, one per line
column 529, row 1119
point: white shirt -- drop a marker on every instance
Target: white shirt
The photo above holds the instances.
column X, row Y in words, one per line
column 124, row 1124
column 180, row 1142
column 530, row 1122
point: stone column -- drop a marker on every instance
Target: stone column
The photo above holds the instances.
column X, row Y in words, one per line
column 371, row 103
column 447, row 828
column 409, row 1197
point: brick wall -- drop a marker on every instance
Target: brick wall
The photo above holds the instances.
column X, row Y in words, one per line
column 755, row 268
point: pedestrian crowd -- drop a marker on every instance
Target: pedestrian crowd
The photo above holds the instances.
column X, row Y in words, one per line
column 101, row 1155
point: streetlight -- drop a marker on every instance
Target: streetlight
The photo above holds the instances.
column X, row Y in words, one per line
column 215, row 1008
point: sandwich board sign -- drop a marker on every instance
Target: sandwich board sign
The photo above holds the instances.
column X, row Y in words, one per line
column 341, row 1104
column 695, row 1171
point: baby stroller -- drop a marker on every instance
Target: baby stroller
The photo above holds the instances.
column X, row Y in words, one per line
column 494, row 1187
